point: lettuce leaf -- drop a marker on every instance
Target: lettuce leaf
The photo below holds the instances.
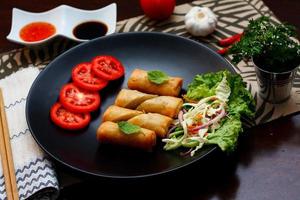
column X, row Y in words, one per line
column 241, row 101
column 227, row 135
column 204, row 85
column 240, row 104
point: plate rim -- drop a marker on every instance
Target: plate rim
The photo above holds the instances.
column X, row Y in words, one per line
column 101, row 175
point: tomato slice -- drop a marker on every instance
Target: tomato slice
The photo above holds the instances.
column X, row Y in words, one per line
column 107, row 67
column 68, row 120
column 78, row 100
column 82, row 77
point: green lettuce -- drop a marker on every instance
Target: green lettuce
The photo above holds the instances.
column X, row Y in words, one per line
column 204, row 85
column 241, row 101
column 240, row 104
column 226, row 136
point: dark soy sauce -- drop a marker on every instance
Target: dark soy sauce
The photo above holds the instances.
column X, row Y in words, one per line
column 90, row 30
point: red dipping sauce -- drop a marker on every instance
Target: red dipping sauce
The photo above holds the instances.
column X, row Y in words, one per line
column 37, row 31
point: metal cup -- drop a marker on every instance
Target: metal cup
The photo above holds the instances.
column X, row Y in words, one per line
column 275, row 87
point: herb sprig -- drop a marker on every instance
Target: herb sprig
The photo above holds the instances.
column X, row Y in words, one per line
column 158, row 77
column 269, row 44
column 128, row 128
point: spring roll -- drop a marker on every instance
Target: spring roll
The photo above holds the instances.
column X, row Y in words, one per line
column 139, row 81
column 165, row 105
column 131, row 98
column 153, row 121
column 115, row 114
column 109, row 132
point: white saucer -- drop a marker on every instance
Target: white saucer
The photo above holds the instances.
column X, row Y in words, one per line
column 64, row 18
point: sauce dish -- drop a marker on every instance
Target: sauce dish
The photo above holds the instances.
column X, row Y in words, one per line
column 65, row 19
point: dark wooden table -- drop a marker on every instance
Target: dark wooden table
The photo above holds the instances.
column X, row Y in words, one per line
column 266, row 164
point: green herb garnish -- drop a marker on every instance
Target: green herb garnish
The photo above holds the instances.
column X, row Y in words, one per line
column 269, row 44
column 128, row 128
column 157, row 76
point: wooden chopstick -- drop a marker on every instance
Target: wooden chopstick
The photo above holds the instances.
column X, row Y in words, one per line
column 6, row 156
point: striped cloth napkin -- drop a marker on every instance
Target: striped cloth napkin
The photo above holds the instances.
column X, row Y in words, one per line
column 34, row 172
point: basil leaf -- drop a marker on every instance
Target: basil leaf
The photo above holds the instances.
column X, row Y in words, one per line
column 128, row 128
column 157, row 76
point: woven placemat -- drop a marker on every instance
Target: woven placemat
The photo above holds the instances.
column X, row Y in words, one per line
column 233, row 17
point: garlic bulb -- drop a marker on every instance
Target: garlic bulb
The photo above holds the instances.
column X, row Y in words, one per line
column 200, row 21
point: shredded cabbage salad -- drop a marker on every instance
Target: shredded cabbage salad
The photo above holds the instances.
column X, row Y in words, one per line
column 199, row 120
column 214, row 118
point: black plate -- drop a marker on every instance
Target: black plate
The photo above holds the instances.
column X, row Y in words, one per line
column 80, row 150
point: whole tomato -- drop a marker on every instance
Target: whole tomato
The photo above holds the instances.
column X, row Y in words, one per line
column 158, row 9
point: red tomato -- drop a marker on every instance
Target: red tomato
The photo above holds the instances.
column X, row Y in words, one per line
column 158, row 9
column 82, row 77
column 78, row 100
column 68, row 120
column 107, row 67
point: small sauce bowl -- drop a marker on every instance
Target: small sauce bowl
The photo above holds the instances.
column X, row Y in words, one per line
column 65, row 19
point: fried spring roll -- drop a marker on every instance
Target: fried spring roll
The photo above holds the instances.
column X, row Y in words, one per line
column 131, row 98
column 109, row 132
column 153, row 121
column 164, row 105
column 139, row 81
column 115, row 114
